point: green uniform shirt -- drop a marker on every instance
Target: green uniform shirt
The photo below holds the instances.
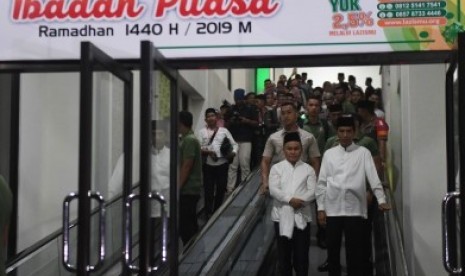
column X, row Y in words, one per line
column 348, row 107
column 321, row 132
column 332, row 130
column 363, row 141
column 6, row 204
column 190, row 149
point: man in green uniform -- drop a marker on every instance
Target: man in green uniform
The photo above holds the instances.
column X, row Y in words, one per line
column 190, row 178
column 321, row 130
column 6, row 204
column 314, row 124
column 334, row 112
column 350, row 105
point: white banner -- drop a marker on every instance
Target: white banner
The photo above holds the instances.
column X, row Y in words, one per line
column 53, row 29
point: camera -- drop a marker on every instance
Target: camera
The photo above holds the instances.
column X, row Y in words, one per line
column 235, row 115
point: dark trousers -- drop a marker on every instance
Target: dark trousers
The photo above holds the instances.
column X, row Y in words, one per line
column 321, row 230
column 215, row 180
column 353, row 229
column 258, row 145
column 293, row 252
column 371, row 210
column 188, row 226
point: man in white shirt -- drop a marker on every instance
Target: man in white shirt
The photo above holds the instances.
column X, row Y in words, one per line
column 342, row 201
column 160, row 179
column 216, row 165
column 292, row 186
column 273, row 152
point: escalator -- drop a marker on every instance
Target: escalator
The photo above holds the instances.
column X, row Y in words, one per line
column 241, row 241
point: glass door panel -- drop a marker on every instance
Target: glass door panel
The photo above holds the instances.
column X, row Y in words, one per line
column 105, row 162
column 108, row 161
column 158, row 249
column 48, row 161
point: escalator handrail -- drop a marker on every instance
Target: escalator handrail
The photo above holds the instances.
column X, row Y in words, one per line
column 217, row 214
column 219, row 260
column 245, row 211
column 392, row 218
column 31, row 250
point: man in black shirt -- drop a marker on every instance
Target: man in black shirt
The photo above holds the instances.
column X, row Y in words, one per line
column 241, row 121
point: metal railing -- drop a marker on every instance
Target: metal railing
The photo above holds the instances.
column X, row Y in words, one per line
column 389, row 246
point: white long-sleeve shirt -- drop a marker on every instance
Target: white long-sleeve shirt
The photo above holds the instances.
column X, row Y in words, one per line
column 341, row 188
column 287, row 181
column 204, row 137
column 160, row 179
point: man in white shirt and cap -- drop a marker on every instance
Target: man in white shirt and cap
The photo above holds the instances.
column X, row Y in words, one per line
column 292, row 186
column 273, row 152
column 341, row 196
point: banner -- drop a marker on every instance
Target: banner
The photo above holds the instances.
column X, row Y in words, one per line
column 53, row 29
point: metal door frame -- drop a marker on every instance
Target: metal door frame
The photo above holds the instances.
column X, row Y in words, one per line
column 461, row 126
column 452, row 247
column 153, row 60
column 93, row 59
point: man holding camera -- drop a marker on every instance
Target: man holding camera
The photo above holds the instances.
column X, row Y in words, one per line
column 241, row 121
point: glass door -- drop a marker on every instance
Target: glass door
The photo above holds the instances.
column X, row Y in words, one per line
column 105, row 164
column 157, row 197
column 453, row 221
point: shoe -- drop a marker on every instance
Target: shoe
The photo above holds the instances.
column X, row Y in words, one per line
column 321, row 244
column 323, row 267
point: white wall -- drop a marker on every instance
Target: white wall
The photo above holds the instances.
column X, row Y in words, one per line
column 420, row 89
column 211, row 86
column 393, row 109
column 322, row 74
column 243, row 78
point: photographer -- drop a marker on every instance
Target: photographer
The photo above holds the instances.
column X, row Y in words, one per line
column 241, row 121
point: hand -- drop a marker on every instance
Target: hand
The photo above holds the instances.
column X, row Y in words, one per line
column 296, row 203
column 322, row 218
column 384, row 207
column 213, row 156
column 230, row 157
column 264, row 189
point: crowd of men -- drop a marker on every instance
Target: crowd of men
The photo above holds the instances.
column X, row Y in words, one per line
column 336, row 115
column 316, row 146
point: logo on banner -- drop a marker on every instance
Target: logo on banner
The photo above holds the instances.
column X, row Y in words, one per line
column 350, row 19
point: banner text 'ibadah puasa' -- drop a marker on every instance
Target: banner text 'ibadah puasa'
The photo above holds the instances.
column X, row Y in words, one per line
column 60, row 10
